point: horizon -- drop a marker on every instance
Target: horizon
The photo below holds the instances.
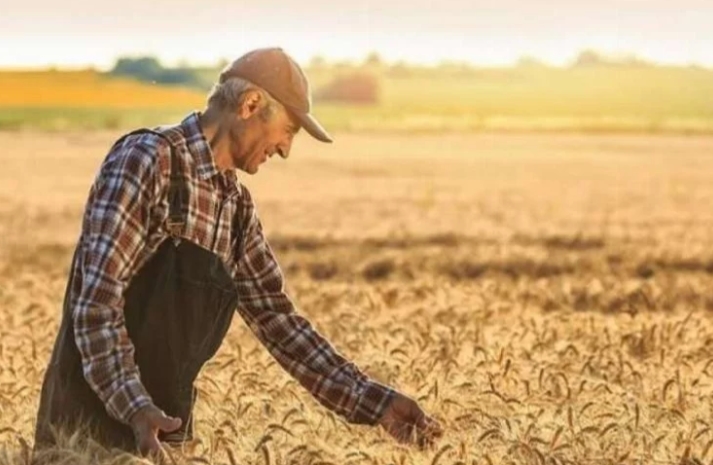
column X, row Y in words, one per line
column 480, row 33
column 611, row 58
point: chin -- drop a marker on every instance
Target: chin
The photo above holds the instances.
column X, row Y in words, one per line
column 249, row 169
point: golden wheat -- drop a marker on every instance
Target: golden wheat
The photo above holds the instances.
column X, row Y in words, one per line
column 89, row 89
column 545, row 297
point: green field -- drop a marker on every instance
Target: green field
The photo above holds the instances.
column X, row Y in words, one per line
column 591, row 99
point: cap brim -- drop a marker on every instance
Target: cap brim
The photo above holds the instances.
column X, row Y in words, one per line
column 313, row 127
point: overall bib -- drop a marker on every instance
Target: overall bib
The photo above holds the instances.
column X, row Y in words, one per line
column 178, row 308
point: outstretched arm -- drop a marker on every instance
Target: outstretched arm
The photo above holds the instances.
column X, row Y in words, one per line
column 335, row 382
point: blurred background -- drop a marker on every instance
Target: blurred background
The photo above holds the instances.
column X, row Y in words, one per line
column 418, row 65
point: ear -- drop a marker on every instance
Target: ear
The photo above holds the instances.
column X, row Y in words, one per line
column 250, row 104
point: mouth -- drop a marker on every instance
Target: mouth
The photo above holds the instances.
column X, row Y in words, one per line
column 269, row 153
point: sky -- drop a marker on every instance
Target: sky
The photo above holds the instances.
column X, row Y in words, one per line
column 82, row 33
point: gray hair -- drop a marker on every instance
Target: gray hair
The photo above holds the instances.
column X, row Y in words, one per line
column 226, row 96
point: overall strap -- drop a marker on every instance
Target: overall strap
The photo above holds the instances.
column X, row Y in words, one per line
column 177, row 190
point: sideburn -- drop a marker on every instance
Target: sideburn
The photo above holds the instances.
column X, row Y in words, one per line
column 237, row 130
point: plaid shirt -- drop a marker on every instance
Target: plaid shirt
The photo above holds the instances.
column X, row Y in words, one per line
column 125, row 222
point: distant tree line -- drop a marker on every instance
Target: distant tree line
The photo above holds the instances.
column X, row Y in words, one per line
column 352, row 86
column 358, row 82
column 585, row 58
column 150, row 69
column 594, row 58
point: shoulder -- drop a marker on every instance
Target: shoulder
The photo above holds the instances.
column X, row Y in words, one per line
column 136, row 165
column 135, row 153
column 143, row 154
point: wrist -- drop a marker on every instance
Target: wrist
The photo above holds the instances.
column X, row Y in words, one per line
column 373, row 403
column 139, row 415
column 125, row 401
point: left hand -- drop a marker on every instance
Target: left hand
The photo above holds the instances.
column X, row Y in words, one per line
column 146, row 424
column 408, row 424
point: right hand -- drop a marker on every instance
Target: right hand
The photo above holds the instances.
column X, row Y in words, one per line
column 407, row 423
column 146, row 423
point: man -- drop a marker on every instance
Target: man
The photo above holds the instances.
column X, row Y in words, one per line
column 170, row 247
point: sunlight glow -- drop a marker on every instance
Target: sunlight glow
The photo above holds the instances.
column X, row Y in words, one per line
column 81, row 33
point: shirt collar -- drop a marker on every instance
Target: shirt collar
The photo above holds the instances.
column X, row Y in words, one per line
column 198, row 146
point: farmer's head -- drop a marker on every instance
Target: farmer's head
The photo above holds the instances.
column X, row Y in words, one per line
column 259, row 103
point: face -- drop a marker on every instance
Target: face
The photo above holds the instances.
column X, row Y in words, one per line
column 256, row 134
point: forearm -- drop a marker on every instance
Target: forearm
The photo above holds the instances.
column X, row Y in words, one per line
column 334, row 381
column 108, row 359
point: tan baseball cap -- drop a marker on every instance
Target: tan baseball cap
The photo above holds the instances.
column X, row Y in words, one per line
column 275, row 71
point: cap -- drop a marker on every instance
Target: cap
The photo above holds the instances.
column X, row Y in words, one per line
column 275, row 71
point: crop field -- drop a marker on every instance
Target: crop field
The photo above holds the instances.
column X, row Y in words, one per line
column 648, row 99
column 548, row 298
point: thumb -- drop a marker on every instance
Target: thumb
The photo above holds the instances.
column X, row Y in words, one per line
column 166, row 423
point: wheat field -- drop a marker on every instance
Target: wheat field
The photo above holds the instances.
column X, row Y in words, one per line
column 547, row 297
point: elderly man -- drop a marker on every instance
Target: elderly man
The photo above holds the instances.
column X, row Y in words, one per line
column 170, row 247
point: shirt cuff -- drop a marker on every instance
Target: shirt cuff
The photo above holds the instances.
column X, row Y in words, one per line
column 371, row 404
column 123, row 403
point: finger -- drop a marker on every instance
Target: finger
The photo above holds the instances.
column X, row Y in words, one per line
column 148, row 444
column 422, row 420
column 159, row 457
column 425, row 440
column 429, row 431
column 168, row 424
column 427, row 423
column 432, row 427
column 436, row 429
column 408, row 433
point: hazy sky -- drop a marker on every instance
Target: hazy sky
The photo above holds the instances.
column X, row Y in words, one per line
column 82, row 32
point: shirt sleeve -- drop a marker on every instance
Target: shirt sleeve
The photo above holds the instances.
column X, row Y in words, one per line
column 115, row 229
column 333, row 381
